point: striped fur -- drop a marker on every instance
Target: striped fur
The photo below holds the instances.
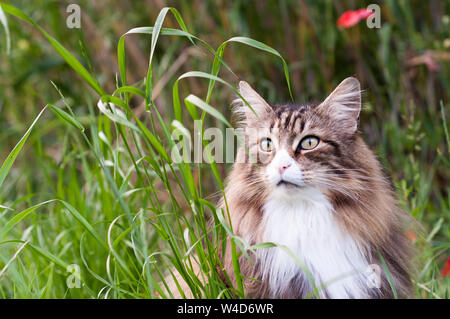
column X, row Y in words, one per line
column 338, row 213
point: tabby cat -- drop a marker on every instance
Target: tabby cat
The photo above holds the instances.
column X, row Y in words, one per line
column 315, row 189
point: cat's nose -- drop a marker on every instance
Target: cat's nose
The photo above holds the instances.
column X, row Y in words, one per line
column 283, row 167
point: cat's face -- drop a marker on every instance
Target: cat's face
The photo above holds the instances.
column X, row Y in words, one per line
column 293, row 147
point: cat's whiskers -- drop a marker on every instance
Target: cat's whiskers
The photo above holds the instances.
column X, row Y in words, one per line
column 336, row 187
column 343, row 169
column 351, row 193
column 359, row 178
column 363, row 178
column 250, row 181
column 339, row 187
column 339, row 184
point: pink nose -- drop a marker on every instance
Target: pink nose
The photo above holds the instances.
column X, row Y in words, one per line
column 283, row 167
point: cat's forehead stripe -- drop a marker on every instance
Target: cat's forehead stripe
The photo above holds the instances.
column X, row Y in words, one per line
column 283, row 119
column 290, row 123
column 288, row 118
column 296, row 124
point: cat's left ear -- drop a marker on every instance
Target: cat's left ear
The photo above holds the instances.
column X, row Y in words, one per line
column 259, row 107
column 344, row 104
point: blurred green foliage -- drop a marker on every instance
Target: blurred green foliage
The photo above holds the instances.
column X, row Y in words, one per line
column 403, row 67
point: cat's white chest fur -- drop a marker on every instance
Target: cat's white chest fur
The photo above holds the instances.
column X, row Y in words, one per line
column 304, row 223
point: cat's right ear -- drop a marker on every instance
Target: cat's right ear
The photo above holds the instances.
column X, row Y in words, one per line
column 259, row 107
column 344, row 104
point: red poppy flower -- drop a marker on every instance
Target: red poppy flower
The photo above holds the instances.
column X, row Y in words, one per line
column 411, row 235
column 350, row 18
column 446, row 268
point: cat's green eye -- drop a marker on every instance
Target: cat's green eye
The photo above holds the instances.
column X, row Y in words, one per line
column 309, row 142
column 266, row 145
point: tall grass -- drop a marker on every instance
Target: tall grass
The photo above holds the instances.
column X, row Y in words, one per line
column 135, row 242
column 92, row 180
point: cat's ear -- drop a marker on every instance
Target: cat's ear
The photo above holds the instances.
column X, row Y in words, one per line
column 344, row 104
column 260, row 107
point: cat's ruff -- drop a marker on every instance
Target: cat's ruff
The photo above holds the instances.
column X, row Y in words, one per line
column 302, row 220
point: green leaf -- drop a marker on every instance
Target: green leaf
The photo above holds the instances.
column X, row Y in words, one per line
column 206, row 107
column 255, row 44
column 23, row 214
column 199, row 74
column 12, row 156
column 55, row 259
column 19, row 217
column 149, row 30
column 129, row 89
column 154, row 141
column 116, row 115
column 66, row 117
column 388, row 275
column 155, row 34
column 83, row 222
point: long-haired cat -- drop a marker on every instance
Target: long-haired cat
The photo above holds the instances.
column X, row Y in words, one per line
column 315, row 189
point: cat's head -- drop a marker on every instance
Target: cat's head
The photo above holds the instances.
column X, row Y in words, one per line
column 291, row 147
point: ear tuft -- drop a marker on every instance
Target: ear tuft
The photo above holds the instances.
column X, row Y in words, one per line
column 344, row 103
column 260, row 107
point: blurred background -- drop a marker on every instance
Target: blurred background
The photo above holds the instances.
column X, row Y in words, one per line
column 403, row 67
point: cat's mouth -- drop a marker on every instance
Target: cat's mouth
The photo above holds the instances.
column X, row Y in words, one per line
column 287, row 184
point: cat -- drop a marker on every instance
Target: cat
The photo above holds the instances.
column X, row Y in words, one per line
column 307, row 182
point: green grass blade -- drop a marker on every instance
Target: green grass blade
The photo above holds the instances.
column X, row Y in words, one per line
column 19, row 217
column 194, row 100
column 83, row 222
column 51, row 257
column 66, row 117
column 199, row 74
column 264, row 47
column 129, row 89
column 155, row 34
column 388, row 276
column 12, row 156
column 255, row 44
column 116, row 116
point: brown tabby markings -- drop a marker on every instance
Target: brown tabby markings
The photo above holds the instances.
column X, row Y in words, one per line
column 363, row 200
column 362, row 197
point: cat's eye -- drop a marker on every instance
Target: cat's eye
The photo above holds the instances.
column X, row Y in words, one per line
column 309, row 142
column 266, row 145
